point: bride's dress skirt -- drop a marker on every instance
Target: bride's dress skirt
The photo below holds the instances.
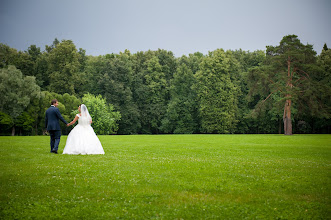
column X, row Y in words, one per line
column 83, row 140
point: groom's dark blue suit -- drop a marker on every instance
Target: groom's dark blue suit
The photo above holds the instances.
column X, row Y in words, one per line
column 52, row 125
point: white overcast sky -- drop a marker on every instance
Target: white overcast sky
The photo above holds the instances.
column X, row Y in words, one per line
column 181, row 26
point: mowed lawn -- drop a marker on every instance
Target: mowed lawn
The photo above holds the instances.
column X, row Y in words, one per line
column 169, row 177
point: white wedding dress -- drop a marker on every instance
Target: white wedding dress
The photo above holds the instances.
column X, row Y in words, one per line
column 82, row 139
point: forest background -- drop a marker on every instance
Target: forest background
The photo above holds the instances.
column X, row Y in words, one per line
column 285, row 89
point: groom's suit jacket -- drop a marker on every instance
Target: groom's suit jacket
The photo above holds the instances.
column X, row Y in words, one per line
column 52, row 118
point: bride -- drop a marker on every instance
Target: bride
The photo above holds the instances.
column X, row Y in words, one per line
column 82, row 139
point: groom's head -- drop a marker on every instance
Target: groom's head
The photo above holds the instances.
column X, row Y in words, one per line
column 54, row 102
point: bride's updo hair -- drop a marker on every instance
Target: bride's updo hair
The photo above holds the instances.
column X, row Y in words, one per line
column 84, row 111
column 83, row 107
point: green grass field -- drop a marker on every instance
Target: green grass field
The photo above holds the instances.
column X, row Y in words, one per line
column 169, row 177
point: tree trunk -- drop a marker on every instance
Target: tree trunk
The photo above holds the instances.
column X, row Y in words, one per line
column 287, row 108
column 279, row 126
column 287, row 118
column 13, row 131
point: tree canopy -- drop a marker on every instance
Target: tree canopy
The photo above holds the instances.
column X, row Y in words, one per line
column 283, row 89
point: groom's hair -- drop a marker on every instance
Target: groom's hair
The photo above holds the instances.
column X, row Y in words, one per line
column 53, row 101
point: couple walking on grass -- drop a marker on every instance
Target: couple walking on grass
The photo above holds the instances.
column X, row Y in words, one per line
column 82, row 138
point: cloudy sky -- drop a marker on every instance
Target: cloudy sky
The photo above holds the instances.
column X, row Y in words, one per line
column 181, row 26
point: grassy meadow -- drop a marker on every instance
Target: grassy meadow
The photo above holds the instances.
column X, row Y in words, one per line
column 169, row 177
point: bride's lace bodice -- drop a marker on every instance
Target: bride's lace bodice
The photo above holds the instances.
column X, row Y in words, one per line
column 83, row 120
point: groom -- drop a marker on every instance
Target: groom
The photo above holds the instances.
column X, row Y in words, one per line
column 53, row 126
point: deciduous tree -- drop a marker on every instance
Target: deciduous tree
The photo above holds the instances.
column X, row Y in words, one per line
column 16, row 92
column 182, row 111
column 217, row 94
column 105, row 119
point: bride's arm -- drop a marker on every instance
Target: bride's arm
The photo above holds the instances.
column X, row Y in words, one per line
column 73, row 121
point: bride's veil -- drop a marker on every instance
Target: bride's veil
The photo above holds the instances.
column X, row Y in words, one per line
column 86, row 118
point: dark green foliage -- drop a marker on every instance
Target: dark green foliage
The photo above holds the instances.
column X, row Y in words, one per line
column 116, row 88
column 103, row 115
column 25, row 122
column 287, row 77
column 8, row 55
column 152, row 72
column 155, row 92
column 182, row 111
column 16, row 91
column 6, row 123
column 325, row 47
column 217, row 94
column 63, row 69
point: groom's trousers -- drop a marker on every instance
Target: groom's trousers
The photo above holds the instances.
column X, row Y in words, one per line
column 55, row 139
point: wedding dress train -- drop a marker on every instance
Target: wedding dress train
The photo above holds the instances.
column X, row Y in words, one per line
column 82, row 139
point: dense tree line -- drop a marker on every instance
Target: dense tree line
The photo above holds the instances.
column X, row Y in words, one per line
column 283, row 89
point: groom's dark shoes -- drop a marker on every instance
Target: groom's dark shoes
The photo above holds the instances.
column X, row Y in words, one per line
column 55, row 140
